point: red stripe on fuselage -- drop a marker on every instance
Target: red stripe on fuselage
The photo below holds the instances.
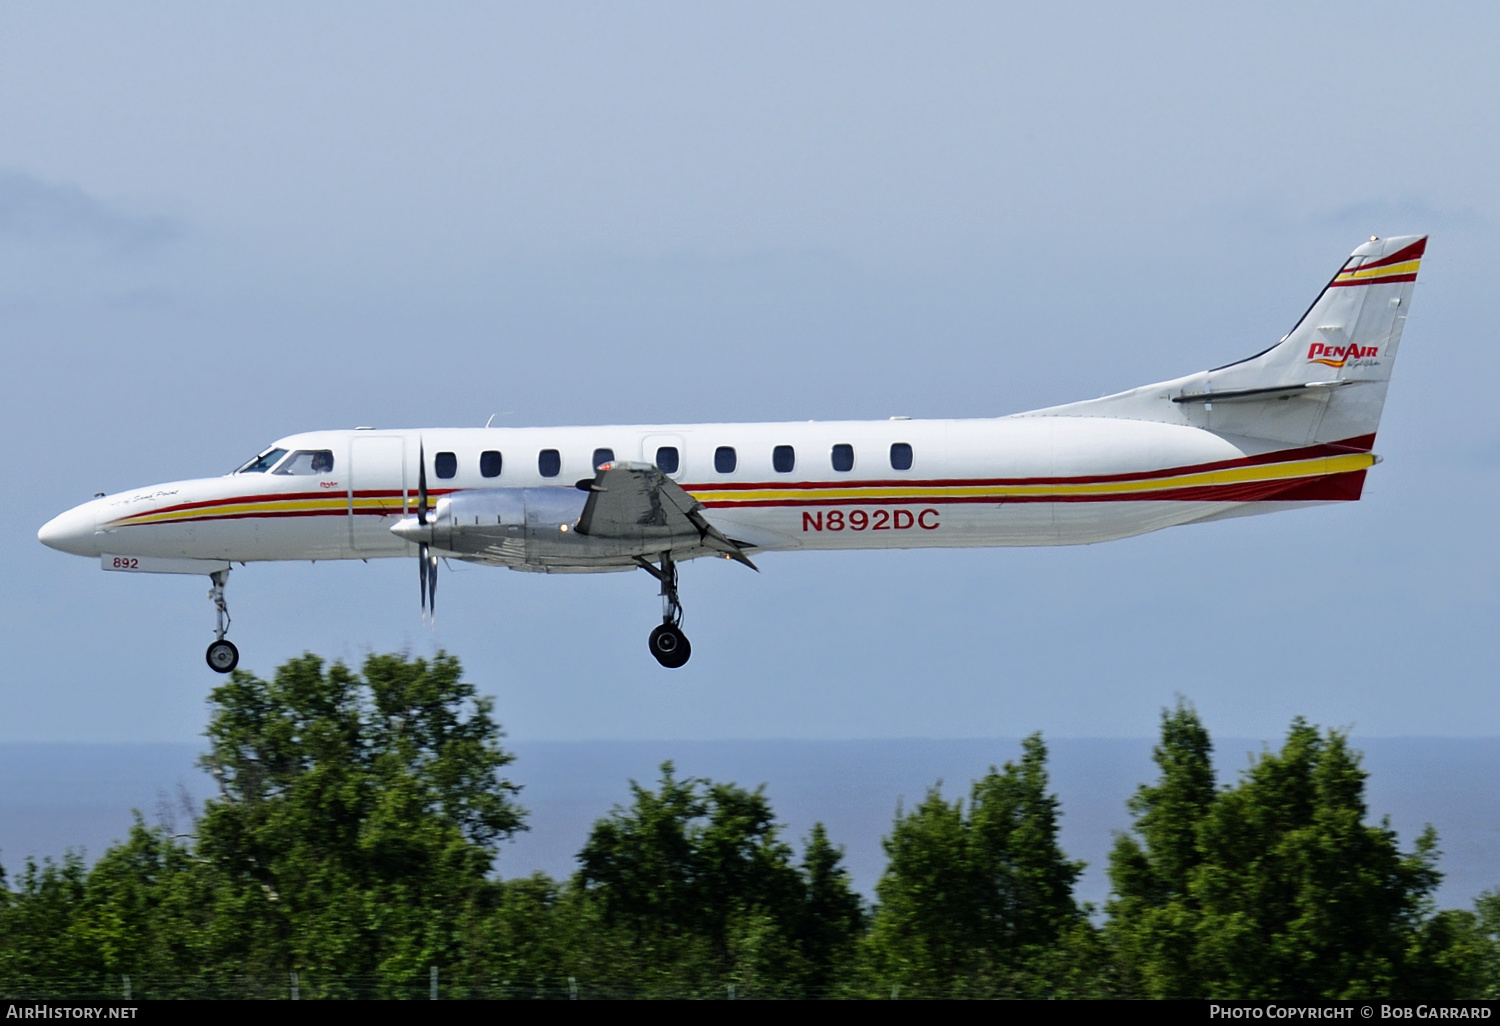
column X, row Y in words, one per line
column 279, row 497
column 1360, row 443
column 1326, row 488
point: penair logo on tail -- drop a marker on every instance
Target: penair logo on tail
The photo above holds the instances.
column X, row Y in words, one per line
column 1352, row 355
column 1397, row 268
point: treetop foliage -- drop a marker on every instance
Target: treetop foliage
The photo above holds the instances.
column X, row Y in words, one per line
column 972, row 898
column 353, row 840
column 699, row 866
column 407, row 739
column 1274, row 886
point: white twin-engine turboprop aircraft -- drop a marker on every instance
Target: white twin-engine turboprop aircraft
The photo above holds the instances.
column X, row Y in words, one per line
column 1292, row 426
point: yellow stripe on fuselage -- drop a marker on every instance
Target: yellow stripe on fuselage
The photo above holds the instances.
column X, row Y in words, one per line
column 1316, row 467
column 1319, row 466
column 332, row 503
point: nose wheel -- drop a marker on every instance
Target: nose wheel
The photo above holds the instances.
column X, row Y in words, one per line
column 222, row 656
column 668, row 644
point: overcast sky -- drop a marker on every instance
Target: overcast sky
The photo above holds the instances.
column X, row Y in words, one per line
column 223, row 224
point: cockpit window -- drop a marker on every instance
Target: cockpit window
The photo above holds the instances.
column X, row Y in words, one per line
column 305, row 462
column 262, row 463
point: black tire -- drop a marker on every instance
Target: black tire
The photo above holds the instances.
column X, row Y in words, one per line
column 222, row 656
column 670, row 646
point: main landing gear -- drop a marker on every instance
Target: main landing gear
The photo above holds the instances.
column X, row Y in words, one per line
column 222, row 656
column 668, row 644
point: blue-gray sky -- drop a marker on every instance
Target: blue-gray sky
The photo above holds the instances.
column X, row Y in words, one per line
column 219, row 225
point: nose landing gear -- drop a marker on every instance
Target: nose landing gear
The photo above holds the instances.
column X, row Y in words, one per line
column 668, row 644
column 222, row 656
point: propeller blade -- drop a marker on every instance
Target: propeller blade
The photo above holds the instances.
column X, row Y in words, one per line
column 422, row 576
column 422, row 485
column 426, row 561
column 432, row 576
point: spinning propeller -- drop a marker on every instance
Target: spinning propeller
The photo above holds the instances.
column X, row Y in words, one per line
column 427, row 564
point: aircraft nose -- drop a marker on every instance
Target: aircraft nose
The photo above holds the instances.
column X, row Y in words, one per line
column 72, row 531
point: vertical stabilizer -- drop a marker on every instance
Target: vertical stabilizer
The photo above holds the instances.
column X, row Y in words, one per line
column 1324, row 382
column 1344, row 346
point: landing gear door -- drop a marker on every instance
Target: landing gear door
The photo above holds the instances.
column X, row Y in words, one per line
column 377, row 492
column 667, row 453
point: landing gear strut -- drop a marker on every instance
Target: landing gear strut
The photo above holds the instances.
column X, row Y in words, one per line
column 668, row 644
column 222, row 655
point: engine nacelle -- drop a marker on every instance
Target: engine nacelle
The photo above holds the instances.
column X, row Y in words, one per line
column 524, row 528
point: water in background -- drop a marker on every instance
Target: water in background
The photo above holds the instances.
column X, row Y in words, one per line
column 56, row 796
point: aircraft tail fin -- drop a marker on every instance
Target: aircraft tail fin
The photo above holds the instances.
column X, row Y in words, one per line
column 1324, row 382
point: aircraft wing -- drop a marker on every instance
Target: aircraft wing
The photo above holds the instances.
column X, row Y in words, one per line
column 636, row 501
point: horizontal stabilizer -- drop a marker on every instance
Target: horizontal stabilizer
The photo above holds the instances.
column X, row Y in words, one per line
column 1308, row 390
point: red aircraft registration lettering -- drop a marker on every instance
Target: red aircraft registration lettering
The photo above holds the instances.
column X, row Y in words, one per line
column 882, row 518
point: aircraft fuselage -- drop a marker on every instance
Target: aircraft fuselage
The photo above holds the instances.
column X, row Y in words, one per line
column 954, row 483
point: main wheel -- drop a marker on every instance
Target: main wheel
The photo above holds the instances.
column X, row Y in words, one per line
column 670, row 646
column 222, row 656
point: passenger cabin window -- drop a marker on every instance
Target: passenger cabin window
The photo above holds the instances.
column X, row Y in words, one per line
column 900, row 456
column 489, row 463
column 843, row 458
column 262, row 463
column 667, row 459
column 305, row 462
column 603, row 456
column 725, row 460
column 783, row 459
column 445, row 464
column 549, row 462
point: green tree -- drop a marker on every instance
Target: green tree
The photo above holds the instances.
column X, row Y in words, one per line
column 1276, row 887
column 522, row 939
column 1154, row 914
column 691, row 890
column 1486, row 964
column 832, row 915
column 40, row 943
column 977, row 902
column 357, row 817
column 149, row 911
